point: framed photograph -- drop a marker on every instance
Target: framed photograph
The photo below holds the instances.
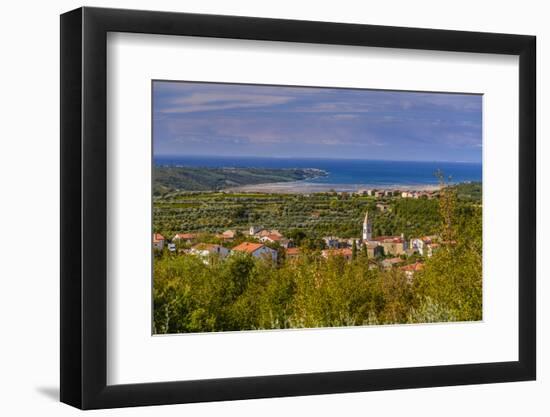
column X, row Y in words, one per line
column 258, row 208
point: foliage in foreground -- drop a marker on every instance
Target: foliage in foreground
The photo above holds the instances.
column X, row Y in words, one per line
column 242, row 293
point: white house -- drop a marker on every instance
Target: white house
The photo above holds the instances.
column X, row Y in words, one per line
column 423, row 245
column 209, row 249
column 272, row 238
column 254, row 229
column 258, row 250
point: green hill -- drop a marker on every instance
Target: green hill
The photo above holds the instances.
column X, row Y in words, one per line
column 168, row 179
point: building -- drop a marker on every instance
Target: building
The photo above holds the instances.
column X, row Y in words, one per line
column 373, row 249
column 272, row 238
column 331, row 242
column 412, row 268
column 393, row 245
column 209, row 249
column 260, row 232
column 418, row 244
column 349, row 242
column 227, row 236
column 286, row 243
column 254, row 230
column 158, row 241
column 424, row 245
column 431, row 249
column 257, row 250
column 184, row 237
column 383, row 207
column 265, row 232
column 367, row 227
column 346, row 253
column 391, row 262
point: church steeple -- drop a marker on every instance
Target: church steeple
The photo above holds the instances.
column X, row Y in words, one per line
column 367, row 227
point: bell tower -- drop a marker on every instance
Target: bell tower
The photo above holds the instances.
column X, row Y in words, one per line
column 367, row 227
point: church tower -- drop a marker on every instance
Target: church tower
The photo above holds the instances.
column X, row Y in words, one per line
column 367, row 227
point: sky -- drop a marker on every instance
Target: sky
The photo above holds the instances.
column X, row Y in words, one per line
column 209, row 119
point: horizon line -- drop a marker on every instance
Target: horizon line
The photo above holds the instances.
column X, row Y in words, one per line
column 314, row 158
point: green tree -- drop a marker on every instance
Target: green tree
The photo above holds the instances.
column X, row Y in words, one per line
column 364, row 251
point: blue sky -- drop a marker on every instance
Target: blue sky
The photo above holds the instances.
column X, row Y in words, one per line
column 269, row 121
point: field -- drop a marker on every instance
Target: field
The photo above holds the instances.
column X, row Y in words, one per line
column 319, row 214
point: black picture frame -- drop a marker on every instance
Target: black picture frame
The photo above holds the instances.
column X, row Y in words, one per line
column 84, row 207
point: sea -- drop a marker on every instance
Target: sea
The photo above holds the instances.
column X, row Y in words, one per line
column 344, row 174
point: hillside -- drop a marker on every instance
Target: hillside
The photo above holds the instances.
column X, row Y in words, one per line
column 167, row 179
column 470, row 191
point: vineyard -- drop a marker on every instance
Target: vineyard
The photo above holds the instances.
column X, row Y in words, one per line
column 319, row 214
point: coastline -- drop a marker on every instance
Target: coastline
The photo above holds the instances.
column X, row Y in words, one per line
column 304, row 187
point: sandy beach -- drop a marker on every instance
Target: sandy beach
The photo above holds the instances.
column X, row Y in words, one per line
column 303, row 187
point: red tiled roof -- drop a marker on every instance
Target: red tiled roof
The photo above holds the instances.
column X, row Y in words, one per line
column 248, row 247
column 185, row 236
column 418, row 266
column 388, row 239
column 157, row 237
column 293, row 251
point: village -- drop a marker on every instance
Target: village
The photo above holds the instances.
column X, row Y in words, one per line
column 382, row 252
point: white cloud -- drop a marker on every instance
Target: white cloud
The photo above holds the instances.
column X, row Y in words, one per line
column 212, row 101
